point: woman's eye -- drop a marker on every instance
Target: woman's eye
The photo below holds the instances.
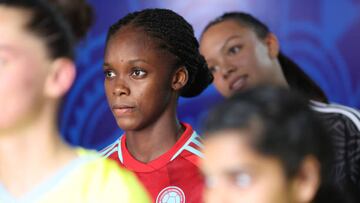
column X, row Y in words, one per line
column 210, row 182
column 243, row 180
column 138, row 73
column 3, row 61
column 234, row 49
column 109, row 74
column 213, row 69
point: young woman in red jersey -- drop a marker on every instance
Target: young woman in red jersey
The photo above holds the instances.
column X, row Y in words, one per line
column 151, row 59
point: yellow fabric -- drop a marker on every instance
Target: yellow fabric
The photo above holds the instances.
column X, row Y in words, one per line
column 96, row 180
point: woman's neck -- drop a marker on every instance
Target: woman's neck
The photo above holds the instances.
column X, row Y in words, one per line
column 157, row 138
column 280, row 79
column 31, row 153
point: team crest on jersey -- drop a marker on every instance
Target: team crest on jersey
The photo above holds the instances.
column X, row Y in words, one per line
column 171, row 194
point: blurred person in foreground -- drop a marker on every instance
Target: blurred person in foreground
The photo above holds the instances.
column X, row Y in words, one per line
column 36, row 70
column 265, row 145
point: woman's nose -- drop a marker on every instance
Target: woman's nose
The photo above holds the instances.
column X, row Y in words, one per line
column 121, row 88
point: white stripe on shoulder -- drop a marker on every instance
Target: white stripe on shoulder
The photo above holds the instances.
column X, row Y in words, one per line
column 120, row 156
column 194, row 151
column 108, row 148
column 335, row 105
column 197, row 142
column 111, row 149
column 192, row 139
column 336, row 109
column 352, row 110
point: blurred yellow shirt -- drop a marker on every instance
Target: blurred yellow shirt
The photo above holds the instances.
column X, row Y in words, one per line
column 89, row 179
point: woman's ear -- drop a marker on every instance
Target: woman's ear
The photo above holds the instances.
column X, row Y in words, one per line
column 180, row 78
column 272, row 43
column 307, row 181
column 60, row 78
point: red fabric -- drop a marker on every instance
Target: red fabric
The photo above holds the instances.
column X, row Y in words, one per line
column 182, row 172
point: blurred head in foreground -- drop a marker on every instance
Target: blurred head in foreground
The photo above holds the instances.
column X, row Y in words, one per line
column 37, row 68
column 265, row 145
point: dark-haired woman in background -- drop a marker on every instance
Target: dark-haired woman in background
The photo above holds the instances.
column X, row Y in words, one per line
column 36, row 70
column 242, row 53
column 276, row 151
column 151, row 59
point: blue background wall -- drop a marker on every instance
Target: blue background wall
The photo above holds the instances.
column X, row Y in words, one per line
column 323, row 36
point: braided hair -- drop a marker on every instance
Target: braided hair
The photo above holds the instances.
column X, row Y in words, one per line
column 175, row 35
column 297, row 79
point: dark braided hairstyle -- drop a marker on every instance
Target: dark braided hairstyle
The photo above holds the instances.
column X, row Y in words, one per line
column 51, row 22
column 294, row 75
column 175, row 35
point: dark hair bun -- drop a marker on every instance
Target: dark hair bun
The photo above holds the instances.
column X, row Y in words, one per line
column 78, row 13
column 199, row 78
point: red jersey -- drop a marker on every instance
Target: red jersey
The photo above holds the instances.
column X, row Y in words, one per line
column 172, row 177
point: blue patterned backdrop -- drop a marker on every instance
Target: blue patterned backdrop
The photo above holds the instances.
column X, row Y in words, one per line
column 323, row 36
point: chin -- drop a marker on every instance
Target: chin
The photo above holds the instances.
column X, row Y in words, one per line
column 128, row 124
column 229, row 94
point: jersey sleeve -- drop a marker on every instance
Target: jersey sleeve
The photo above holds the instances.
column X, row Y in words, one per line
column 132, row 191
column 107, row 182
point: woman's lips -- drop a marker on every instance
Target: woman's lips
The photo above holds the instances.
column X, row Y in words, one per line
column 238, row 83
column 120, row 110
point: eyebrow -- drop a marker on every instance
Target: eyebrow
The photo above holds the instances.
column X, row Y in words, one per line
column 234, row 171
column 239, row 170
column 138, row 60
column 12, row 51
column 6, row 47
column 105, row 64
column 228, row 40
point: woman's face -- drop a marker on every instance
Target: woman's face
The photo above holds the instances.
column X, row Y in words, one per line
column 24, row 65
column 138, row 77
column 238, row 59
column 244, row 175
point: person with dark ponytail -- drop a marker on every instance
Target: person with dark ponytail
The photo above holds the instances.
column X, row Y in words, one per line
column 151, row 59
column 36, row 70
column 243, row 53
column 276, row 151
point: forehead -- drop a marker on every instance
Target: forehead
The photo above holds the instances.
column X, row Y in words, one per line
column 129, row 33
column 216, row 36
column 239, row 152
column 230, row 142
column 13, row 33
column 135, row 42
column 227, row 27
column 12, row 21
column 233, row 144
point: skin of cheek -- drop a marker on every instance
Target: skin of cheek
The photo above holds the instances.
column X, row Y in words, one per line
column 265, row 73
column 21, row 91
column 23, row 74
column 269, row 183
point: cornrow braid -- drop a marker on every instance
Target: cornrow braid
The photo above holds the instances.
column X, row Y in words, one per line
column 175, row 35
